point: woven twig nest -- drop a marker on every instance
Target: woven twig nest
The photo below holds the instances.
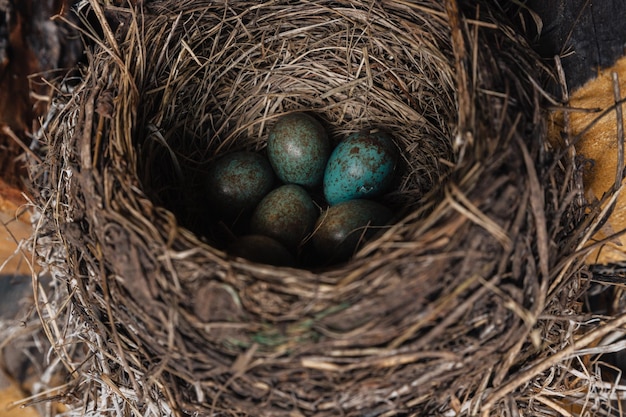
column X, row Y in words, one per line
column 457, row 307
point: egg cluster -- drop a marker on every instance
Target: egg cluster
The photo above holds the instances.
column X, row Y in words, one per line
column 308, row 203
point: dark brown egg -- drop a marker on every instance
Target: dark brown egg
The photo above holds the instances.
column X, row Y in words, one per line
column 261, row 249
column 342, row 229
column 286, row 214
column 236, row 182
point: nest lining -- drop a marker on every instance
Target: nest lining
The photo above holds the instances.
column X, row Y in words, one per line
column 353, row 68
column 444, row 308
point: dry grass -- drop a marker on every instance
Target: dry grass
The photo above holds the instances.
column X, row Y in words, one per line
column 467, row 305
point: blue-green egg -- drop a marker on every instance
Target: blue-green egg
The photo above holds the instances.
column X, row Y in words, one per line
column 286, row 214
column 236, row 182
column 298, row 148
column 342, row 228
column 361, row 166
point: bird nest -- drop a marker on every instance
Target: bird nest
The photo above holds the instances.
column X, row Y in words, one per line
column 466, row 304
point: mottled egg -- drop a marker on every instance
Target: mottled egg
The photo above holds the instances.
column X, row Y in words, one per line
column 361, row 166
column 236, row 182
column 343, row 227
column 298, row 148
column 286, row 214
column 262, row 249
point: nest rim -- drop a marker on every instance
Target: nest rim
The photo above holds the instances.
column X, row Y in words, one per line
column 297, row 301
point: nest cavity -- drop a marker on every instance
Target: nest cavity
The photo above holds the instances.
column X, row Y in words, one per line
column 445, row 312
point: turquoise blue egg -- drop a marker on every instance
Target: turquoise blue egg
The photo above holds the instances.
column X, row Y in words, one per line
column 298, row 148
column 344, row 227
column 236, row 182
column 286, row 214
column 361, row 166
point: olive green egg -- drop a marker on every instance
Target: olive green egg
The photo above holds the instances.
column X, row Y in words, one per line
column 286, row 214
column 236, row 182
column 342, row 228
column 298, row 148
column 261, row 249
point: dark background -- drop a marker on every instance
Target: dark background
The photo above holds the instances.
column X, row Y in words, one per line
column 587, row 35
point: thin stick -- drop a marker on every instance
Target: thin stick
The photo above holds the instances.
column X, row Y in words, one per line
column 619, row 174
column 9, row 132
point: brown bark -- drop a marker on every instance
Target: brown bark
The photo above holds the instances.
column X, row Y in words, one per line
column 34, row 41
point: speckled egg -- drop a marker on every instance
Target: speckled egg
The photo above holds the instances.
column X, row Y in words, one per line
column 236, row 182
column 298, row 148
column 286, row 214
column 342, row 228
column 262, row 249
column 361, row 166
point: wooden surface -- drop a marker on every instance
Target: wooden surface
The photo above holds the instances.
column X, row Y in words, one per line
column 14, row 288
column 14, row 226
column 589, row 37
column 9, row 394
column 600, row 145
column 12, row 231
